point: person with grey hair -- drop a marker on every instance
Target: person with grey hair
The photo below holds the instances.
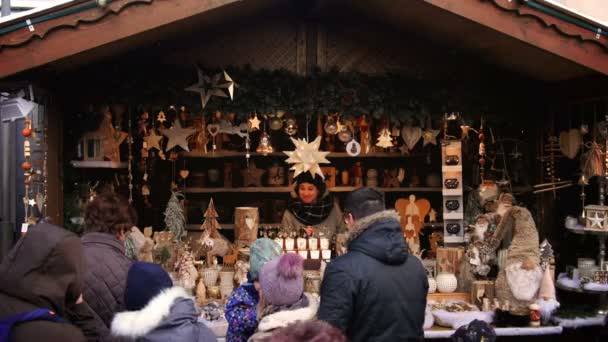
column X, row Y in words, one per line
column 376, row 291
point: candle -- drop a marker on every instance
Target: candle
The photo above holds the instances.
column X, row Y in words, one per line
column 313, row 243
column 301, row 244
column 314, row 254
column 303, row 254
column 324, row 243
column 326, row 254
column 534, row 315
column 289, row 244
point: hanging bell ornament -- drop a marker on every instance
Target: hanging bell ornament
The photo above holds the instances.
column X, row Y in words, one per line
column 27, row 131
column 291, row 127
column 264, row 148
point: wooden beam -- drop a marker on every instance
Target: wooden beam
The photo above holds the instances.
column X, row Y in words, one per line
column 530, row 30
column 81, row 36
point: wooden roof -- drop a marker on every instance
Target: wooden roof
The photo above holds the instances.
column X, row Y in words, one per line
column 506, row 33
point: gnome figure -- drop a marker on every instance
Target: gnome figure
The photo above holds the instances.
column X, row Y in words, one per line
column 520, row 279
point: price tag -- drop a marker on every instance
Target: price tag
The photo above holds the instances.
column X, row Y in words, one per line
column 30, row 26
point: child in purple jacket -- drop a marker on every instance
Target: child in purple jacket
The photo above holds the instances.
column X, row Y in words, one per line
column 242, row 304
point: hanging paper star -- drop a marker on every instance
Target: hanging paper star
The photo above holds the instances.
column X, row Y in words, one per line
column 254, row 122
column 596, row 220
column 31, row 202
column 211, row 86
column 430, row 136
column 177, row 137
column 153, row 140
column 307, row 157
column 385, row 140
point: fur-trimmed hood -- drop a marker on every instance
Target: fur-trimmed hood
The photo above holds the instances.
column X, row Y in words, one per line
column 379, row 236
column 366, row 222
column 282, row 319
column 135, row 324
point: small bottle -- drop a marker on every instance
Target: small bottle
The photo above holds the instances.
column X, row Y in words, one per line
column 534, row 315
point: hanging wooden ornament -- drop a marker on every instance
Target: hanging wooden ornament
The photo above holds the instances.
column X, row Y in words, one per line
column 570, row 142
column 411, row 135
column 177, row 137
column 384, row 139
column 254, row 123
column 153, row 140
column 27, row 131
column 213, row 129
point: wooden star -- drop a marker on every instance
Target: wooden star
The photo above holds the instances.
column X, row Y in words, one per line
column 153, row 140
column 596, row 220
column 252, row 176
column 177, row 137
column 254, row 122
column 430, row 136
column 208, row 86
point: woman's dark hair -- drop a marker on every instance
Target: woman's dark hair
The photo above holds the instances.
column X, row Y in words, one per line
column 109, row 213
column 311, row 331
column 317, row 181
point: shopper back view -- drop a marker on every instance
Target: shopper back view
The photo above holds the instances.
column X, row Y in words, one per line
column 41, row 283
column 376, row 291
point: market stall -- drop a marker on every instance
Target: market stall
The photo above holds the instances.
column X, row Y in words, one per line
column 208, row 133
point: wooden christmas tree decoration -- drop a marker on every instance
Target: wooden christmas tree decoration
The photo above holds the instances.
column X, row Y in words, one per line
column 174, row 216
column 211, row 224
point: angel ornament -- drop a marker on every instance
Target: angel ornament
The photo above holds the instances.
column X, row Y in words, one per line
column 412, row 213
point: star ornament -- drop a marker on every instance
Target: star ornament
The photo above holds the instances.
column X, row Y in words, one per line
column 207, row 86
column 254, row 123
column 177, row 137
column 596, row 221
column 430, row 136
column 307, row 157
column 153, row 140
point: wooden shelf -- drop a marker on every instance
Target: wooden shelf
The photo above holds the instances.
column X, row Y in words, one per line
column 236, row 154
column 98, row 164
column 287, row 189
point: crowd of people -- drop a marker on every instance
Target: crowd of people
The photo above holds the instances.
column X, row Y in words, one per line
column 55, row 286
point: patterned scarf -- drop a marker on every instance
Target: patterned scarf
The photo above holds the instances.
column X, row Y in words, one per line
column 311, row 214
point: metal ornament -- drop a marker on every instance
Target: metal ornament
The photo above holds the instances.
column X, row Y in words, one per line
column 345, row 135
column 291, row 127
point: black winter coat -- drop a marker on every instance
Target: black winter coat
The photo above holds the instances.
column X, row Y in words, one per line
column 376, row 291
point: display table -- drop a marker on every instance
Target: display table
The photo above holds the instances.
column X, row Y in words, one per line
column 434, row 333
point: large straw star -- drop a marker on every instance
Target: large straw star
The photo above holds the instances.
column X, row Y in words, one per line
column 177, row 137
column 307, row 157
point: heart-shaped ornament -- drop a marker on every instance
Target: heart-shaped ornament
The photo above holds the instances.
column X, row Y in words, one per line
column 570, row 142
column 213, row 129
column 411, row 135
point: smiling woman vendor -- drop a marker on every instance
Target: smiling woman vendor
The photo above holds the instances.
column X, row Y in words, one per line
column 312, row 206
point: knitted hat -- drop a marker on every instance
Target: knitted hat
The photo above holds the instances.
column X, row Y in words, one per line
column 282, row 279
column 145, row 281
column 261, row 251
column 315, row 180
column 547, row 287
column 364, row 202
